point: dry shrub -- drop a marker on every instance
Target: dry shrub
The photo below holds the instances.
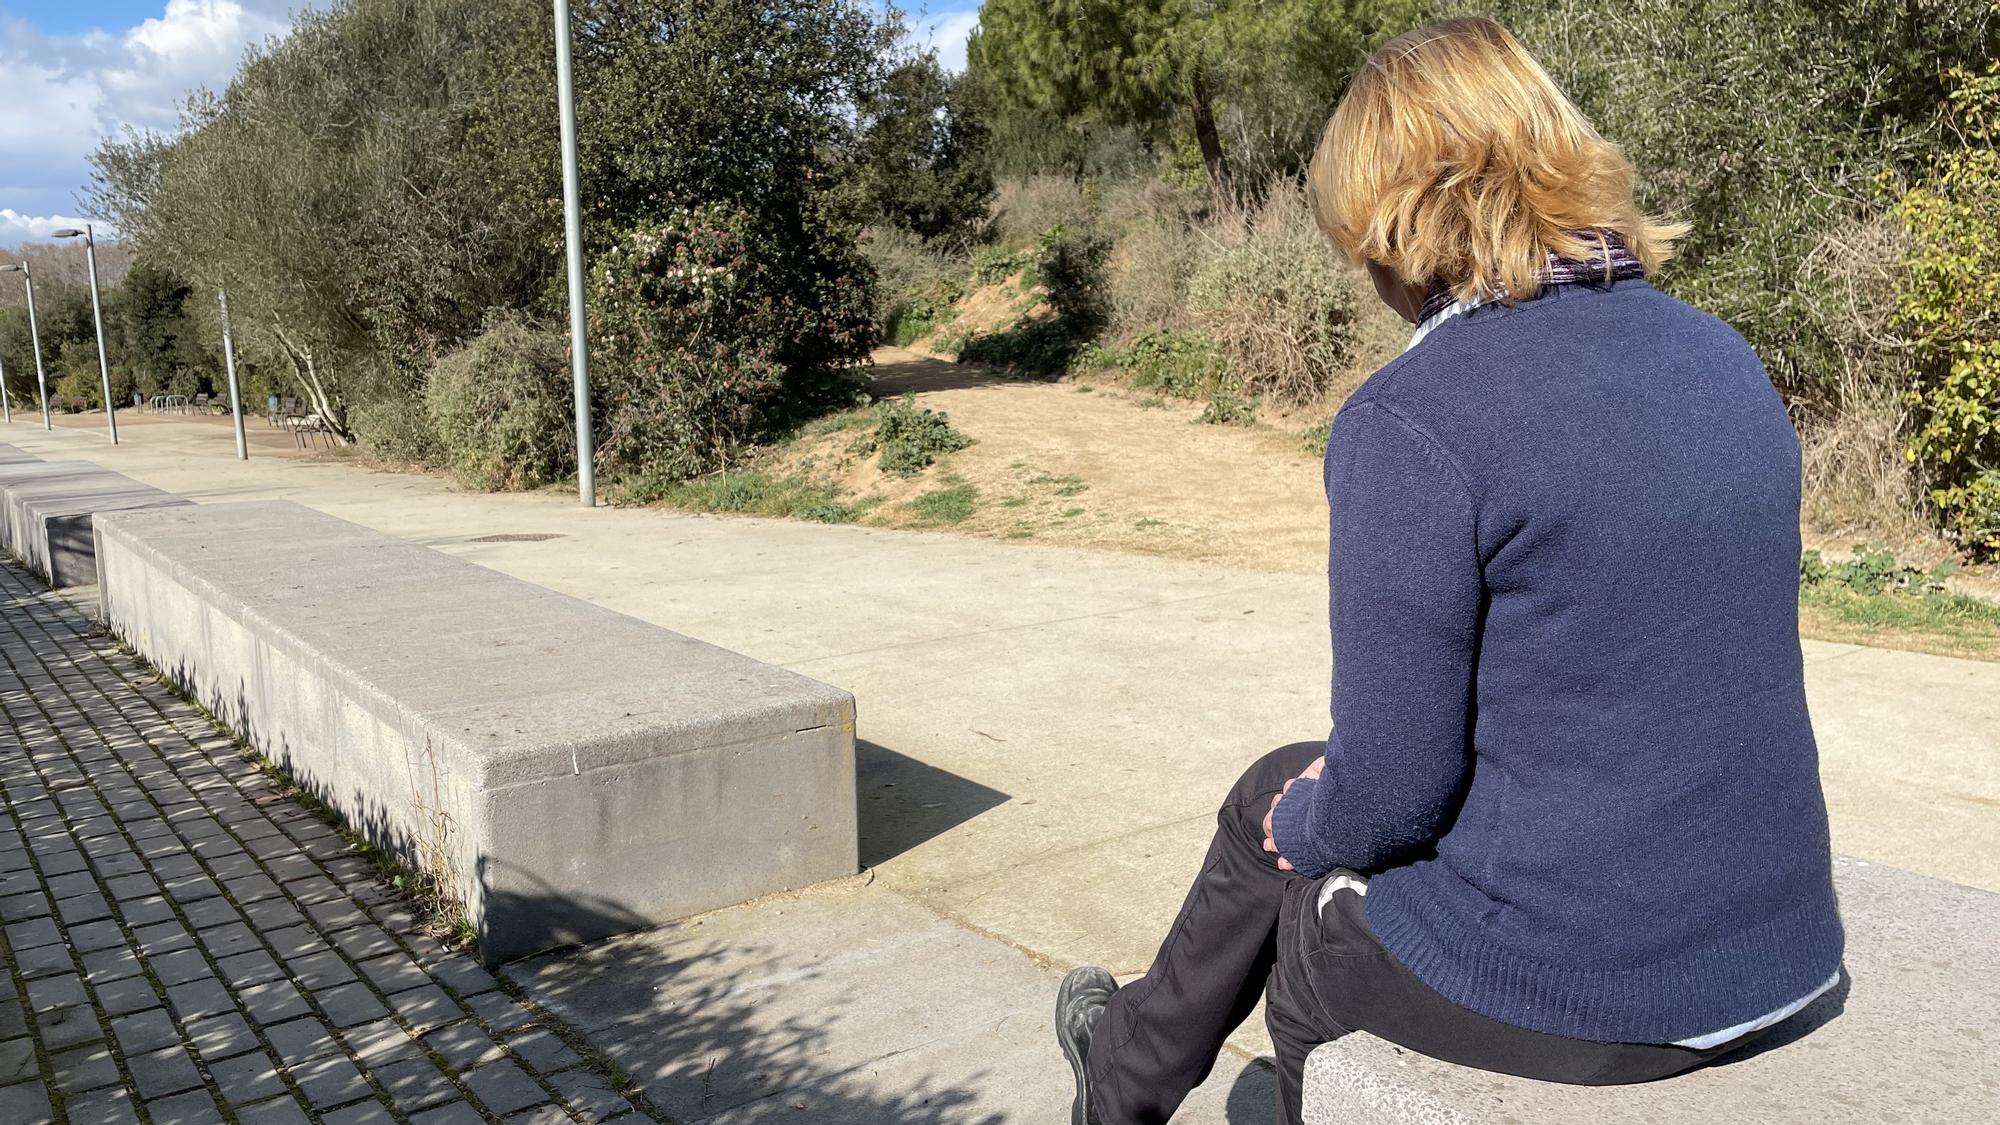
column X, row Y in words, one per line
column 905, row 265
column 1858, row 482
column 1151, row 259
column 1024, row 209
column 1269, row 289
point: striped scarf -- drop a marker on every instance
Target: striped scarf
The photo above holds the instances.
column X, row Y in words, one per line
column 1614, row 263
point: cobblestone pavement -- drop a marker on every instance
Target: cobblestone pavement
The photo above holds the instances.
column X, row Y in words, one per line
column 183, row 943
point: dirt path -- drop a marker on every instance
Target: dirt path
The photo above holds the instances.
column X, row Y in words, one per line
column 1093, row 464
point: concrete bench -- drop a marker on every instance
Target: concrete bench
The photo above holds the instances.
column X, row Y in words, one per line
column 567, row 772
column 1913, row 1035
column 46, row 509
column 9, row 455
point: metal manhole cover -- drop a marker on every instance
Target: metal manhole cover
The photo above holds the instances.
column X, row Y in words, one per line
column 520, row 537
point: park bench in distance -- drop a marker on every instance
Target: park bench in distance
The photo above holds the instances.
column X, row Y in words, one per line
column 567, row 771
column 46, row 509
column 1912, row 1034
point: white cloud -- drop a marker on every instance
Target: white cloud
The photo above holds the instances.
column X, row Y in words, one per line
column 946, row 32
column 16, row 228
column 66, row 93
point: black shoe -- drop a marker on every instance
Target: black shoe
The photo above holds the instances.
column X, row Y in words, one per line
column 1079, row 1004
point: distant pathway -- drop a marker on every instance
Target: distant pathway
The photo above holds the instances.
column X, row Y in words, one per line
column 182, row 943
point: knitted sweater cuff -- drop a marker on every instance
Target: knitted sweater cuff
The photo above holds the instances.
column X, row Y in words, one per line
column 1291, row 830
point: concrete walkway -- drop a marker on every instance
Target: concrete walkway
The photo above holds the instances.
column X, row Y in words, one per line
column 1045, row 731
column 185, row 944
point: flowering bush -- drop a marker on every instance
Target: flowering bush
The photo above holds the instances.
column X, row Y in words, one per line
column 705, row 330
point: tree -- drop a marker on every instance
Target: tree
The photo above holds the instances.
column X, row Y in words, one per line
column 922, row 159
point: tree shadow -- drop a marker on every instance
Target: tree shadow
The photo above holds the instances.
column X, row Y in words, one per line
column 913, row 373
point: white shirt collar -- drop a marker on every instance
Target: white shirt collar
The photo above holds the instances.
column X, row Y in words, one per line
column 1431, row 322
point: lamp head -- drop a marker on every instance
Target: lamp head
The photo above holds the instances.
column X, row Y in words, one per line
column 10, row 269
column 70, row 232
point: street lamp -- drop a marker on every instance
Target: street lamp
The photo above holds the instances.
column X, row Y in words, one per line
column 235, row 397
column 97, row 314
column 34, row 336
column 579, row 358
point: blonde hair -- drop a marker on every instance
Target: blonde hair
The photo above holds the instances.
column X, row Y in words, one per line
column 1454, row 159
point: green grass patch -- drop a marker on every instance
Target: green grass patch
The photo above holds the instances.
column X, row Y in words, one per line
column 945, row 505
column 749, row 492
column 1872, row 599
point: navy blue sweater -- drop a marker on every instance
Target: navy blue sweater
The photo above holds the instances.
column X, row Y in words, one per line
column 1570, row 740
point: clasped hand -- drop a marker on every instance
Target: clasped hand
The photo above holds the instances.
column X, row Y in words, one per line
column 1271, row 844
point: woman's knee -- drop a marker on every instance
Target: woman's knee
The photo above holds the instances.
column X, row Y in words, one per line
column 1268, row 774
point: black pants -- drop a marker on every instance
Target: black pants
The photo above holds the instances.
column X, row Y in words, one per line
column 1248, row 928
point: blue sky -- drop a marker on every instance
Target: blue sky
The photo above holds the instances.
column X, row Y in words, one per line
column 73, row 73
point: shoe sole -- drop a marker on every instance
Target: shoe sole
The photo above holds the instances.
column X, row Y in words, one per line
column 1073, row 1051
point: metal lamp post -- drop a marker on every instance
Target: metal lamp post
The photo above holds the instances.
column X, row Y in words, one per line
column 235, row 397
column 579, row 357
column 34, row 337
column 89, row 234
column 6, row 396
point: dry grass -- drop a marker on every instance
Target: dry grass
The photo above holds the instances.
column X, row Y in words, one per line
column 1024, row 208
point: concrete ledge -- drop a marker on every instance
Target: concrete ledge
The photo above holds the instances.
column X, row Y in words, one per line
column 1909, row 1037
column 46, row 509
column 569, row 772
column 9, row 455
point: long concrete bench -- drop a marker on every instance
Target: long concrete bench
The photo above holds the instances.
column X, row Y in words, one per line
column 567, row 771
column 10, row 455
column 1912, row 1035
column 46, row 509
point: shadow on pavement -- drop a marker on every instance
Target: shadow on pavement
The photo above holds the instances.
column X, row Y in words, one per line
column 904, row 802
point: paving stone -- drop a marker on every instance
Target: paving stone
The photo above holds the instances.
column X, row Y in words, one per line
column 277, row 1111
column 69, row 886
column 85, row 1068
column 363, row 1113
column 273, row 1002
column 44, row 961
column 50, row 993
column 380, row 1041
column 103, row 1107
column 247, row 1078
column 414, row 1083
column 132, row 886
column 106, row 965
column 457, row 1113
column 143, row 912
column 27, row 935
column 145, row 1031
column 589, row 1095
column 254, row 967
column 211, row 913
column 17, row 908
column 301, row 1040
column 28, row 1104
column 219, row 1037
column 192, row 1108
column 13, row 1015
column 130, row 994
column 179, row 966
column 350, row 1004
column 504, row 1087
column 330, row 1081
column 542, row 1115
column 228, row 939
column 464, row 1045
column 500, row 1012
column 425, row 1008
column 164, row 1072
column 162, row 938
column 18, row 1062
column 69, row 1027
column 394, row 973
column 205, row 997
column 83, row 908
column 95, row 936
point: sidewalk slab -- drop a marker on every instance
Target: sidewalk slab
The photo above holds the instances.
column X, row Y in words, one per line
column 846, row 1005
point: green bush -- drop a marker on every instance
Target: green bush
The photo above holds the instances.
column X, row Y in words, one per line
column 711, row 329
column 396, row 428
column 502, row 409
column 1874, row 570
column 908, row 438
column 1947, row 295
column 1225, row 409
column 1185, row 365
column 1072, row 267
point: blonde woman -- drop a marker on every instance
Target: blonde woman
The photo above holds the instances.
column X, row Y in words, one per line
column 1568, row 823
